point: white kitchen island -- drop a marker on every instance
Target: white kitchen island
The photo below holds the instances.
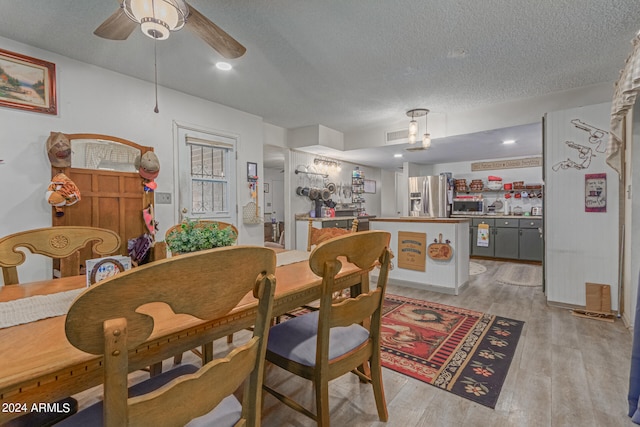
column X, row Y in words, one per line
column 413, row 266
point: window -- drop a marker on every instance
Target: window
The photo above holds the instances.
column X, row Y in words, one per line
column 207, row 183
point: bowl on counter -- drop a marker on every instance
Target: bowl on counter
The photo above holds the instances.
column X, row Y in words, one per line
column 494, row 185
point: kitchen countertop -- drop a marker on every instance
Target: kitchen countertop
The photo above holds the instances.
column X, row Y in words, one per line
column 335, row 218
column 420, row 219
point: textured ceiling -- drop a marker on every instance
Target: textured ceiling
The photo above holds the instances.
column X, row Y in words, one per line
column 351, row 65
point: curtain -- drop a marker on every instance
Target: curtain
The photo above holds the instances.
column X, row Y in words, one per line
column 626, row 89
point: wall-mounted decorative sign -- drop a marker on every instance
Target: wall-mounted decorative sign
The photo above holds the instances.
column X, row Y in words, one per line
column 528, row 162
column 595, row 192
column 27, row 83
column 412, row 250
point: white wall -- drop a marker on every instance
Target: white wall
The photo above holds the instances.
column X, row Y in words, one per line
column 94, row 100
column 580, row 246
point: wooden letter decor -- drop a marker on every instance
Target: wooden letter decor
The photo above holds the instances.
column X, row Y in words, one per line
column 412, row 250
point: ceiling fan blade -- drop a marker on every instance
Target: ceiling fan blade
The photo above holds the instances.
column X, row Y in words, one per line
column 116, row 27
column 213, row 35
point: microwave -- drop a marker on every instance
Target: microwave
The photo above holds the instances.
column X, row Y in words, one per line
column 467, row 207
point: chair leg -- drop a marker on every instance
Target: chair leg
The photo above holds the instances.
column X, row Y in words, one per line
column 322, row 402
column 177, row 359
column 229, row 338
column 207, row 353
column 155, row 369
column 378, row 388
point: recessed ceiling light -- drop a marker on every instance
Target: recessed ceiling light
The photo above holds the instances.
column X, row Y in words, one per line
column 397, row 155
column 224, row 66
column 509, row 141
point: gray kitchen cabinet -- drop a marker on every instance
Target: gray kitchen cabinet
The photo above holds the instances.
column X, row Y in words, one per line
column 337, row 223
column 506, row 237
column 531, row 243
column 509, row 238
column 476, row 250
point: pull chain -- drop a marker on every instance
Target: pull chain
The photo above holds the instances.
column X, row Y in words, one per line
column 155, row 69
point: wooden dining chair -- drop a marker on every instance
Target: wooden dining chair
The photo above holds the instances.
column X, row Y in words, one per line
column 319, row 235
column 55, row 242
column 341, row 337
column 206, row 348
column 107, row 319
column 61, row 243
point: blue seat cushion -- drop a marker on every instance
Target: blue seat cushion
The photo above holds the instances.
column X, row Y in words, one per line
column 296, row 339
column 227, row 413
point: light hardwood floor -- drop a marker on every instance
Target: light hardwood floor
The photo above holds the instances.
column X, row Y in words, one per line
column 567, row 371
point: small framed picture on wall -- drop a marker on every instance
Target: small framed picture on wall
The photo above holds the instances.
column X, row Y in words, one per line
column 595, row 192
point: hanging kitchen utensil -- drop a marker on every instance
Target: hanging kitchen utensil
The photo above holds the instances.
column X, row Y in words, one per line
column 331, row 187
column 330, row 203
column 314, row 193
column 299, row 191
column 440, row 251
column 325, row 194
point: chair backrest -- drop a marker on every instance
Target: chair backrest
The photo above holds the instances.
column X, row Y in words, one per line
column 55, row 242
column 205, row 284
column 319, row 235
column 367, row 250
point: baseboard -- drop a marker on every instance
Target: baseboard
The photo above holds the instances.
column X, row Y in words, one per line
column 426, row 287
column 573, row 307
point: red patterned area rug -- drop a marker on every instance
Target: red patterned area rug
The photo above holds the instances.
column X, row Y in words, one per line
column 465, row 352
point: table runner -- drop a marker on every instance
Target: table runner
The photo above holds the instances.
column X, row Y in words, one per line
column 26, row 310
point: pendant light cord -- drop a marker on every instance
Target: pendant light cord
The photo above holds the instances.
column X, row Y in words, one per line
column 155, row 69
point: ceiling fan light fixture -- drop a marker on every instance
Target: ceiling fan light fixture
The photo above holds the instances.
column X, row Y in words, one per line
column 157, row 18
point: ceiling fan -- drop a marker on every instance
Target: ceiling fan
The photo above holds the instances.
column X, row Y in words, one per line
column 157, row 18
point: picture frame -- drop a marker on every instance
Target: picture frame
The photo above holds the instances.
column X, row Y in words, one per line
column 595, row 192
column 252, row 171
column 369, row 186
column 27, row 83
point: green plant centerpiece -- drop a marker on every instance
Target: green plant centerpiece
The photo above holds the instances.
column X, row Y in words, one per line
column 194, row 236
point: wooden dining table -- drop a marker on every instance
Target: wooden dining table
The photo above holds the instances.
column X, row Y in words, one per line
column 39, row 365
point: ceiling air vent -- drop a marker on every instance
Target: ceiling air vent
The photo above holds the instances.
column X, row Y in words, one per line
column 397, row 137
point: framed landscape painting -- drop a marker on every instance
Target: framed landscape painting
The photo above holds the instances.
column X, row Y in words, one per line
column 27, row 83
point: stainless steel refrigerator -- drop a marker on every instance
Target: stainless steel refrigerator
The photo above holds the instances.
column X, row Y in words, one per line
column 429, row 196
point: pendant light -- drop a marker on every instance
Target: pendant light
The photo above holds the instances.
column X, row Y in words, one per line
column 413, row 127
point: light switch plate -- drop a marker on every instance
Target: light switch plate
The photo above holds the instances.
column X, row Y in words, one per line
column 163, row 198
